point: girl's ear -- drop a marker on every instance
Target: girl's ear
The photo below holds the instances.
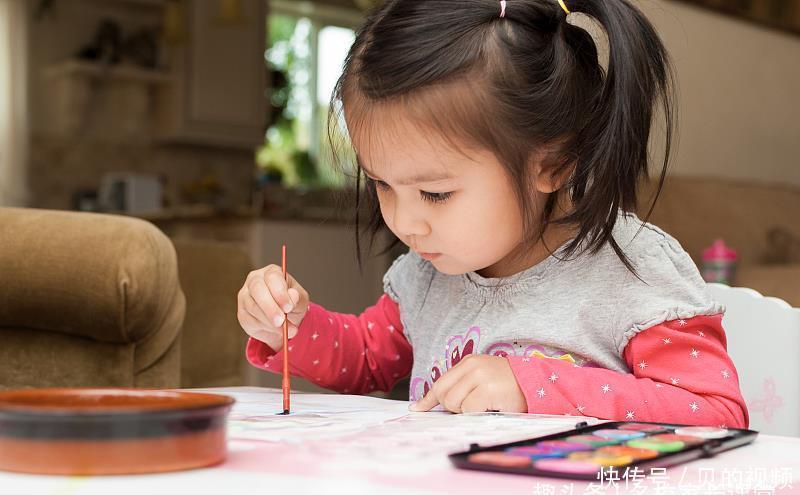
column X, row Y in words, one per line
column 549, row 174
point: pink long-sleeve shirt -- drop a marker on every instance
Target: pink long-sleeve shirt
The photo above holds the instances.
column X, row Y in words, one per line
column 681, row 371
column 582, row 334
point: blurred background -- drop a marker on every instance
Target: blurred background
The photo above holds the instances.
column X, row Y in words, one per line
column 209, row 119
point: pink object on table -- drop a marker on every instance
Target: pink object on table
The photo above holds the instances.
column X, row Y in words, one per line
column 719, row 263
column 720, row 251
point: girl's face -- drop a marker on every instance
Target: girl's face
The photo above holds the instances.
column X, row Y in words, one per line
column 456, row 209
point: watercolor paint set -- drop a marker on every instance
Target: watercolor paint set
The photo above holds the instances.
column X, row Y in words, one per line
column 588, row 452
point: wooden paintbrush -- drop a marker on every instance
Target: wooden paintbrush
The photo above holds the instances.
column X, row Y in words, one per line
column 285, row 382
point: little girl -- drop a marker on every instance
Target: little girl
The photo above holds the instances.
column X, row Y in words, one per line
column 498, row 149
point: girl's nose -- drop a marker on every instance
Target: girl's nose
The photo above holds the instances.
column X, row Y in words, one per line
column 410, row 223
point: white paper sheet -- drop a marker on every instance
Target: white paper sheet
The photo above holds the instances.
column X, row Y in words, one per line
column 371, row 429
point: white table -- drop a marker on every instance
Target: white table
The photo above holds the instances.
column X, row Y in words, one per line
column 301, row 458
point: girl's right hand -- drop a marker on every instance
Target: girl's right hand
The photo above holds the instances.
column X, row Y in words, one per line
column 265, row 299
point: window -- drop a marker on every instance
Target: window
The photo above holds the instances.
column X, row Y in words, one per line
column 307, row 46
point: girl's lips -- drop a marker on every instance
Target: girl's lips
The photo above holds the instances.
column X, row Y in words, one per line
column 429, row 256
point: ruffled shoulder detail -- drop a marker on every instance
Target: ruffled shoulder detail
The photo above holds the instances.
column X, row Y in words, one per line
column 666, row 286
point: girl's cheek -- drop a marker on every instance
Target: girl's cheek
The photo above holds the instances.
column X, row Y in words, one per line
column 384, row 200
column 386, row 209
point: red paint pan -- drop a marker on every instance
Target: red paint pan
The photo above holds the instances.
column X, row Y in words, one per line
column 110, row 431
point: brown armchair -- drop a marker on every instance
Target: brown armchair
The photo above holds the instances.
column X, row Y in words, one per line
column 87, row 300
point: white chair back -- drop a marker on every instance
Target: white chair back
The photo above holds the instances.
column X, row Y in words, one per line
column 764, row 343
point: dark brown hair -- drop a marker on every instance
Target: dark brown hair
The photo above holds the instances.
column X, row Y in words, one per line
column 517, row 85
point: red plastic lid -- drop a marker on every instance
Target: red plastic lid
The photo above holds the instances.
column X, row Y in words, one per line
column 719, row 251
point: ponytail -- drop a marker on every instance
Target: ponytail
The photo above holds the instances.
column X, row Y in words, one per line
column 612, row 148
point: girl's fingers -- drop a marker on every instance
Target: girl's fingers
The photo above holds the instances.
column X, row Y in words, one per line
column 265, row 300
column 259, row 294
column 245, row 304
column 268, row 298
column 451, row 377
column 295, row 319
column 299, row 291
column 275, row 342
column 294, row 296
column 300, row 306
column 442, row 387
column 278, row 288
column 435, row 395
column 249, row 323
column 259, row 313
column 455, row 396
column 475, row 401
column 426, row 403
column 267, row 335
column 249, row 304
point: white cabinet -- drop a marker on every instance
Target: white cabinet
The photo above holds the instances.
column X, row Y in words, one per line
column 218, row 96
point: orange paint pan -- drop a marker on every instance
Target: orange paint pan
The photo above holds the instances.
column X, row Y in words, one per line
column 111, row 431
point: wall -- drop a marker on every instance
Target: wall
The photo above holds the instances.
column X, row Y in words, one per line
column 737, row 103
column 738, row 94
column 59, row 167
column 738, row 97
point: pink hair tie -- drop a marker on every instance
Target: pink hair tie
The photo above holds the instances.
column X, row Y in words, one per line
column 502, row 8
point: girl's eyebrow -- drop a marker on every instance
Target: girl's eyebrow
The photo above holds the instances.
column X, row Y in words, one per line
column 417, row 179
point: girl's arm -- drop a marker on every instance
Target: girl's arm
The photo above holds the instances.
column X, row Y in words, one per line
column 681, row 373
column 347, row 353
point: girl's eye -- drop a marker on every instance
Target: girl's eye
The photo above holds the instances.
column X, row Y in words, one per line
column 430, row 197
column 435, row 197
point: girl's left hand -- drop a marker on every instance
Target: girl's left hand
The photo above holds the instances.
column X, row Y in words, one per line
column 478, row 383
